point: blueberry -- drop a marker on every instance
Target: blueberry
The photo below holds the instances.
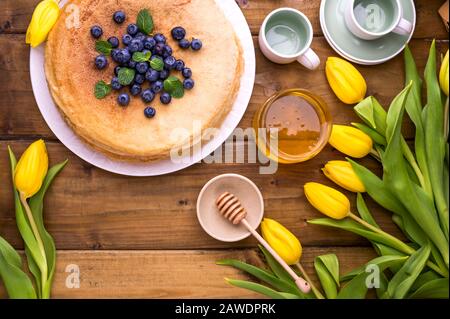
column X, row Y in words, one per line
column 168, row 49
column 132, row 29
column 142, row 67
column 96, row 31
column 149, row 112
column 116, row 70
column 165, row 98
column 187, row 73
column 136, row 45
column 115, row 84
column 126, row 39
column 149, row 43
column 114, row 42
column 184, row 44
column 147, row 96
column 188, row 84
column 164, row 74
column 135, row 89
column 123, row 56
column 152, row 75
column 101, row 62
column 160, row 38
column 132, row 64
column 178, row 33
column 139, row 78
column 123, row 99
column 119, row 17
column 179, row 65
column 157, row 87
column 169, row 62
column 159, row 49
column 196, row 44
column 140, row 36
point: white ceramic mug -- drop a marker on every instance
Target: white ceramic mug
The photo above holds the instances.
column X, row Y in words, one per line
column 286, row 36
column 381, row 20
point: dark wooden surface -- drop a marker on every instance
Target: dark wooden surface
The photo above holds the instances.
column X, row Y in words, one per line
column 139, row 237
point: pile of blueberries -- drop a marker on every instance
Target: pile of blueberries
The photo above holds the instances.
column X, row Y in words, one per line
column 136, row 41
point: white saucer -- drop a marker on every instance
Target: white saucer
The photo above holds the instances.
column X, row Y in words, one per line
column 355, row 49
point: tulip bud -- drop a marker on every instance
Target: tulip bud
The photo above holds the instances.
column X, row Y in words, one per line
column 286, row 245
column 44, row 18
column 31, row 169
column 350, row 141
column 327, row 200
column 342, row 173
column 345, row 80
column 443, row 74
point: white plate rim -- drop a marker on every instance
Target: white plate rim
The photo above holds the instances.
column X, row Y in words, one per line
column 68, row 138
column 349, row 56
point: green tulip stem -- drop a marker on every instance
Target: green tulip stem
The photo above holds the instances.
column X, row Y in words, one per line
column 308, row 279
column 373, row 152
column 412, row 161
column 40, row 243
column 404, row 247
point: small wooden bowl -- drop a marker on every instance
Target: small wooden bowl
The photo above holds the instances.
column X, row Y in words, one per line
column 209, row 216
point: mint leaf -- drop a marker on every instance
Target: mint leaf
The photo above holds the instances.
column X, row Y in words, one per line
column 126, row 76
column 157, row 64
column 102, row 89
column 141, row 57
column 145, row 21
column 103, row 47
column 174, row 87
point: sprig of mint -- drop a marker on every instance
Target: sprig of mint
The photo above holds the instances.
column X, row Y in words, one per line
column 103, row 47
column 142, row 57
column 157, row 64
column 145, row 21
column 126, row 76
column 102, row 89
column 174, row 87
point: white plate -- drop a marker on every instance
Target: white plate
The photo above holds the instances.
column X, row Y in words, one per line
column 65, row 134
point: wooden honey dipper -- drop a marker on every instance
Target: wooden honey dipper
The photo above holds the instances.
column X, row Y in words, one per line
column 231, row 208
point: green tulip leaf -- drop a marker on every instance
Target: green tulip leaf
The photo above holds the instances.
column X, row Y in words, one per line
column 401, row 283
column 262, row 275
column 373, row 114
column 277, row 269
column 435, row 289
column 374, row 135
column 261, row 289
column 327, row 269
column 364, row 212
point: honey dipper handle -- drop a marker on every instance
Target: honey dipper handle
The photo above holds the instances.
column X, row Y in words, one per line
column 302, row 284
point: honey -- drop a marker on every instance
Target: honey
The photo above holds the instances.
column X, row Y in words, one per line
column 292, row 126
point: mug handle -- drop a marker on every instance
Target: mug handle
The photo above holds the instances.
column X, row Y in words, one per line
column 404, row 27
column 309, row 59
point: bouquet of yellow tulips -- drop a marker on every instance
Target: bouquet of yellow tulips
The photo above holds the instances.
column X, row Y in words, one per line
column 414, row 187
column 31, row 180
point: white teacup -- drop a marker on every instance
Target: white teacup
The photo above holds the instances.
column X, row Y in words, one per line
column 286, row 36
column 373, row 19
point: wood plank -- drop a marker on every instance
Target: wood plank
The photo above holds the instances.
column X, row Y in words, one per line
column 16, row 14
column 172, row 274
column 384, row 82
column 88, row 208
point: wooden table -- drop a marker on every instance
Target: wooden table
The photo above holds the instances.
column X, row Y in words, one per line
column 139, row 237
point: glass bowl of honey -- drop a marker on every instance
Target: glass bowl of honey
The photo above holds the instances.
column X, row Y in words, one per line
column 292, row 126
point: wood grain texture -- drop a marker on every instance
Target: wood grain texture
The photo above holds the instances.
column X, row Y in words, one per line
column 20, row 116
column 16, row 14
column 88, row 208
column 172, row 274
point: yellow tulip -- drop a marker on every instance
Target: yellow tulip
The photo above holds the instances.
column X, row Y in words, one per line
column 350, row 141
column 327, row 200
column 44, row 18
column 282, row 241
column 342, row 173
column 443, row 74
column 31, row 169
column 345, row 80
